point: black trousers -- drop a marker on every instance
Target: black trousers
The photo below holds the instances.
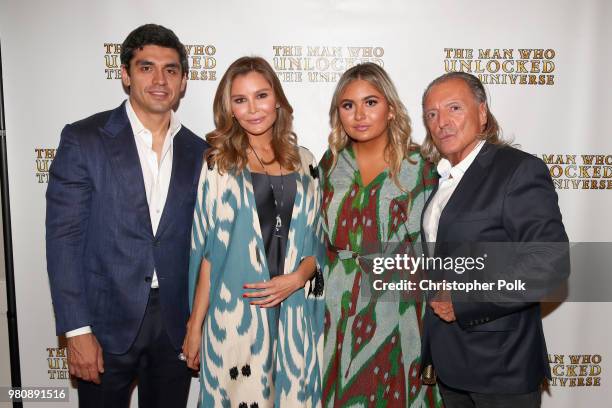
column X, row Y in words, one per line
column 163, row 380
column 454, row 398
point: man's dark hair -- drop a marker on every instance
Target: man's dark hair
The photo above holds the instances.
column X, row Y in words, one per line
column 152, row 34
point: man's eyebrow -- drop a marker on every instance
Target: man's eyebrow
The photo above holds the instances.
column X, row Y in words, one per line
column 147, row 62
column 144, row 62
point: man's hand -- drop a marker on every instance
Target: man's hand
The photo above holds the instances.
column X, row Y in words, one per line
column 443, row 307
column 85, row 359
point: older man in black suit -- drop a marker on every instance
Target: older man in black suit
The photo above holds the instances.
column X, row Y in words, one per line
column 485, row 354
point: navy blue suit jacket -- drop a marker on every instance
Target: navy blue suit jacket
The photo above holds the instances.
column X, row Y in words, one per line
column 505, row 196
column 101, row 250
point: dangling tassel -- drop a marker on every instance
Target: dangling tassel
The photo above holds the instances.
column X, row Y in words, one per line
column 317, row 288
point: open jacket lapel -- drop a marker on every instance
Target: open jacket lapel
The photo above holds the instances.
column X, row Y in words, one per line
column 468, row 187
column 121, row 149
column 181, row 180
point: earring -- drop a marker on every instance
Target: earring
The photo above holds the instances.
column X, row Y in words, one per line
column 277, row 105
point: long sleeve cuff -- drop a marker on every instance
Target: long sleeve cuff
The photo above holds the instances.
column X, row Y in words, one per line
column 79, row 331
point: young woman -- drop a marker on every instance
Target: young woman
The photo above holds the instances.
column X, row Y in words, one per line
column 255, row 330
column 375, row 184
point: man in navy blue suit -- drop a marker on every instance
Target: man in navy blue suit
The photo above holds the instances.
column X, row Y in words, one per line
column 119, row 212
column 487, row 352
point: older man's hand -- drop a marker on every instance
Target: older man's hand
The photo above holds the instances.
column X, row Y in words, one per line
column 442, row 306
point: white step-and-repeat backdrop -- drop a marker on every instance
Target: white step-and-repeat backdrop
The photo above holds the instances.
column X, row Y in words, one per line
column 546, row 64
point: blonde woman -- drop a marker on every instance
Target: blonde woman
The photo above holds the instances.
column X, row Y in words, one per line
column 375, row 184
column 255, row 331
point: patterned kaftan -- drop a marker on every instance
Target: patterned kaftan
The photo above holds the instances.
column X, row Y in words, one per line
column 372, row 346
column 243, row 362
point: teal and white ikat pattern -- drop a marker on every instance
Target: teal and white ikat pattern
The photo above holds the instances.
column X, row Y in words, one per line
column 245, row 358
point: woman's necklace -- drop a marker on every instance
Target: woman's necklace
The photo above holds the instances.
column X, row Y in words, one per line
column 279, row 222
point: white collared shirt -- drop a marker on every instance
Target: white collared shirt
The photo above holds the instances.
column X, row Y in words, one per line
column 156, row 176
column 450, row 176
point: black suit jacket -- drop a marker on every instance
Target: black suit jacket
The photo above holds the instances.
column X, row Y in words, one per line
column 101, row 250
column 505, row 196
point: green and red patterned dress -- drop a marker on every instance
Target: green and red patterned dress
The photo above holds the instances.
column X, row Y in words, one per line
column 372, row 346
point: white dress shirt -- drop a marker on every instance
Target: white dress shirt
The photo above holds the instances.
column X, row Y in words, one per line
column 156, row 176
column 450, row 176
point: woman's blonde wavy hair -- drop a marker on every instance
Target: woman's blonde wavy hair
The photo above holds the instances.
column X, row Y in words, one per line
column 399, row 131
column 229, row 142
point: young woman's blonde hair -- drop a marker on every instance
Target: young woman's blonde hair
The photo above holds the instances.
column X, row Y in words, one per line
column 229, row 142
column 399, row 143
